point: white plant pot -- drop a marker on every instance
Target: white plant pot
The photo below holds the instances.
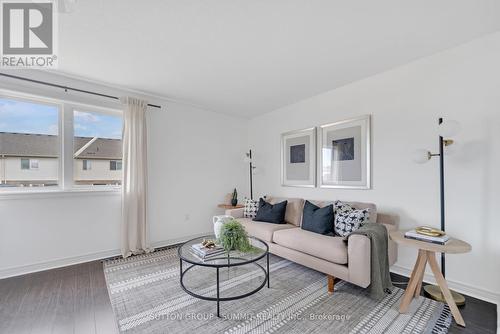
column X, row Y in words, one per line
column 219, row 221
column 218, row 228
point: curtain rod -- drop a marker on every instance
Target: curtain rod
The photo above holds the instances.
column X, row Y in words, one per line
column 66, row 88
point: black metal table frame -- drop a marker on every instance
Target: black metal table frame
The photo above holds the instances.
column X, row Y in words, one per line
column 219, row 299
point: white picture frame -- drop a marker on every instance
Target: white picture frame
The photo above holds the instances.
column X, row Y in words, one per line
column 344, row 154
column 298, row 158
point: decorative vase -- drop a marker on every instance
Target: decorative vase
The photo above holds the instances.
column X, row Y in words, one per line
column 218, row 222
column 234, row 201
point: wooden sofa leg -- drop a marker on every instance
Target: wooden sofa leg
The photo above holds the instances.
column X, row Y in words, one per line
column 331, row 283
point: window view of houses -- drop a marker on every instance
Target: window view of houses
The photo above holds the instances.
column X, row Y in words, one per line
column 30, row 150
column 97, row 161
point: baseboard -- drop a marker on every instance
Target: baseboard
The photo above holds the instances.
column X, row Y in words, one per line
column 466, row 289
column 174, row 241
column 63, row 262
column 68, row 261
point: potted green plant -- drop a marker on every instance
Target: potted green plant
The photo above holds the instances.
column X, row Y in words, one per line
column 234, row 198
column 234, row 237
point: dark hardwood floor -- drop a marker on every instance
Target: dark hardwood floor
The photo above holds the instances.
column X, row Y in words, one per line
column 74, row 299
column 479, row 316
column 67, row 300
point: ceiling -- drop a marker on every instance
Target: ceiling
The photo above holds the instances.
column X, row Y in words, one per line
column 250, row 57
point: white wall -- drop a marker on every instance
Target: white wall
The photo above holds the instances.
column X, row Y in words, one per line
column 462, row 84
column 195, row 158
column 38, row 232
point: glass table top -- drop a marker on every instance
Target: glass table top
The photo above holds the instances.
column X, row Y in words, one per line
column 224, row 259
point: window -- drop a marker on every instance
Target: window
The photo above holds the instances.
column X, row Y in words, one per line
column 33, row 164
column 86, row 165
column 115, row 165
column 46, row 142
column 97, row 147
column 29, row 143
column 29, row 163
column 25, row 163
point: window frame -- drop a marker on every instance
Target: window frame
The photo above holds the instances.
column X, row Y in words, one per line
column 34, row 164
column 65, row 144
column 117, row 163
column 69, row 112
column 86, row 164
column 23, row 166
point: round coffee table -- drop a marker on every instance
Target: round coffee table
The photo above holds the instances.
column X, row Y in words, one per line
column 232, row 259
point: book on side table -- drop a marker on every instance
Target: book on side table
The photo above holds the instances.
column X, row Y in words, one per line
column 440, row 240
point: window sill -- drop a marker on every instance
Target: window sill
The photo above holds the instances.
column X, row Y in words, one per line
column 50, row 193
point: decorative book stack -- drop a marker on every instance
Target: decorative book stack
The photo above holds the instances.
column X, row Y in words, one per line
column 206, row 252
column 440, row 240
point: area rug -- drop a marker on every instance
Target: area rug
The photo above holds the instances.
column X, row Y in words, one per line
column 146, row 298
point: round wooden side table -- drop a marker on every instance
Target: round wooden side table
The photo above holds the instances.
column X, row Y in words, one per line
column 427, row 254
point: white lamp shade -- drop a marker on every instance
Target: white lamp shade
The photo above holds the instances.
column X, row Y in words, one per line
column 449, row 128
column 421, row 156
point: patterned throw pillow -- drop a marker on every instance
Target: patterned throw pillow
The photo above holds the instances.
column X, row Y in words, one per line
column 348, row 219
column 251, row 208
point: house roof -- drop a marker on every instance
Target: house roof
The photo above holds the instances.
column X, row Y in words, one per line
column 38, row 145
column 102, row 148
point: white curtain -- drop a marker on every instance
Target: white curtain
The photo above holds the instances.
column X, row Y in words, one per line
column 135, row 178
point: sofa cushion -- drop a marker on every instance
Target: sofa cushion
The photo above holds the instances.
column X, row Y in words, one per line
column 293, row 214
column 262, row 230
column 271, row 213
column 316, row 219
column 355, row 205
column 329, row 248
column 348, row 219
column 250, row 208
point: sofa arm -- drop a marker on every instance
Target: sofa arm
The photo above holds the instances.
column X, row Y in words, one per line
column 236, row 213
column 358, row 255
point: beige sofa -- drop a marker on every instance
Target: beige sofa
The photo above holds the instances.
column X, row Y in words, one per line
column 327, row 254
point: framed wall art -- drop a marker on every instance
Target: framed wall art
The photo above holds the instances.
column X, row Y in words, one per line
column 344, row 153
column 298, row 158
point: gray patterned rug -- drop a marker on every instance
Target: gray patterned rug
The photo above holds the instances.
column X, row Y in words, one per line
column 147, row 298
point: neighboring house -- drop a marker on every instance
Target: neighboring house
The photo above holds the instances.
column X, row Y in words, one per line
column 97, row 161
column 33, row 160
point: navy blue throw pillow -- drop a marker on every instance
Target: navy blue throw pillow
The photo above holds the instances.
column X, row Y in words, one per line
column 316, row 219
column 271, row 213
